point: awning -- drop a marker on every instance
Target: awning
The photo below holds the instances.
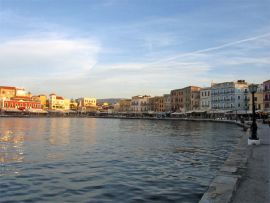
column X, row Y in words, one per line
column 56, row 111
column 69, row 111
column 178, row 113
column 200, row 111
column 36, row 111
column 219, row 111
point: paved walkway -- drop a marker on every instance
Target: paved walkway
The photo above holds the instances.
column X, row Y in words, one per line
column 254, row 186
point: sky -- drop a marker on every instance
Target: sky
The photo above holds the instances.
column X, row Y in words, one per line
column 122, row 48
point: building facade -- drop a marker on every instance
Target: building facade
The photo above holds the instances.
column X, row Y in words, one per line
column 73, row 105
column 177, row 100
column 167, row 103
column 230, row 96
column 266, row 95
column 124, row 105
column 258, row 99
column 185, row 99
column 87, row 104
column 42, row 99
column 58, row 103
column 191, row 98
column 156, row 104
column 20, row 103
column 140, row 103
column 6, row 92
column 205, row 98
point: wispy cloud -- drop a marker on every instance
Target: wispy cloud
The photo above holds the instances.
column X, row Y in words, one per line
column 48, row 56
column 215, row 48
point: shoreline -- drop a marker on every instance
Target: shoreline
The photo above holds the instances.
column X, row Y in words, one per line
column 135, row 118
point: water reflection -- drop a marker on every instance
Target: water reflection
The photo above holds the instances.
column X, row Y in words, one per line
column 90, row 127
column 99, row 160
column 11, row 148
column 59, row 131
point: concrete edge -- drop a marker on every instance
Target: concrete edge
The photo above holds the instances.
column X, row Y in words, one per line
column 224, row 185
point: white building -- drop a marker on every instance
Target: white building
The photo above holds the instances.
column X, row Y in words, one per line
column 140, row 103
column 205, row 98
column 230, row 96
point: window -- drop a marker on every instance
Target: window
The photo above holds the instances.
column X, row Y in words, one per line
column 239, row 97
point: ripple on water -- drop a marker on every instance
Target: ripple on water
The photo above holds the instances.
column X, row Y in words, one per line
column 104, row 160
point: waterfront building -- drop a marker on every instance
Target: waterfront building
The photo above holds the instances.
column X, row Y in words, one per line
column 205, row 98
column 124, row 105
column 185, row 99
column 266, row 95
column 6, row 92
column 167, row 102
column 66, row 104
column 152, row 104
column 116, row 107
column 177, row 100
column 258, row 98
column 191, row 98
column 87, row 104
column 73, row 105
column 160, row 104
column 42, row 99
column 230, row 96
column 156, row 104
column 56, row 102
column 19, row 103
column 140, row 103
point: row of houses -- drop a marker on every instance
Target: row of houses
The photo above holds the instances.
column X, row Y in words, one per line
column 13, row 99
column 219, row 97
column 226, row 96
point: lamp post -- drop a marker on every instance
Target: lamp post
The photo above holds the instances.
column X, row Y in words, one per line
column 253, row 139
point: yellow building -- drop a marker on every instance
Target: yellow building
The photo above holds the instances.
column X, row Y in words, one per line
column 258, row 97
column 58, row 103
column 42, row 99
column 66, row 104
column 87, row 104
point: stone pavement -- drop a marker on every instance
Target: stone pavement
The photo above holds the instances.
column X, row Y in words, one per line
column 254, row 185
column 244, row 176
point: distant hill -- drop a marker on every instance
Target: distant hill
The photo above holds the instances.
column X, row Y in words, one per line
column 109, row 100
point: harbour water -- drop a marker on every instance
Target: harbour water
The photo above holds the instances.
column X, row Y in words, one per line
column 110, row 160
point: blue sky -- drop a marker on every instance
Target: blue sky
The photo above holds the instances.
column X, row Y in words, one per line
column 120, row 48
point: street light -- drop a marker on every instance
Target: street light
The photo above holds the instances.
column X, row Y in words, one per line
column 253, row 139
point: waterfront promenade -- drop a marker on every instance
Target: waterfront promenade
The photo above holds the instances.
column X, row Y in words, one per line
column 244, row 176
column 254, row 185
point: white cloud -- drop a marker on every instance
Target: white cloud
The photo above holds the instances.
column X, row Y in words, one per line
column 47, row 57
